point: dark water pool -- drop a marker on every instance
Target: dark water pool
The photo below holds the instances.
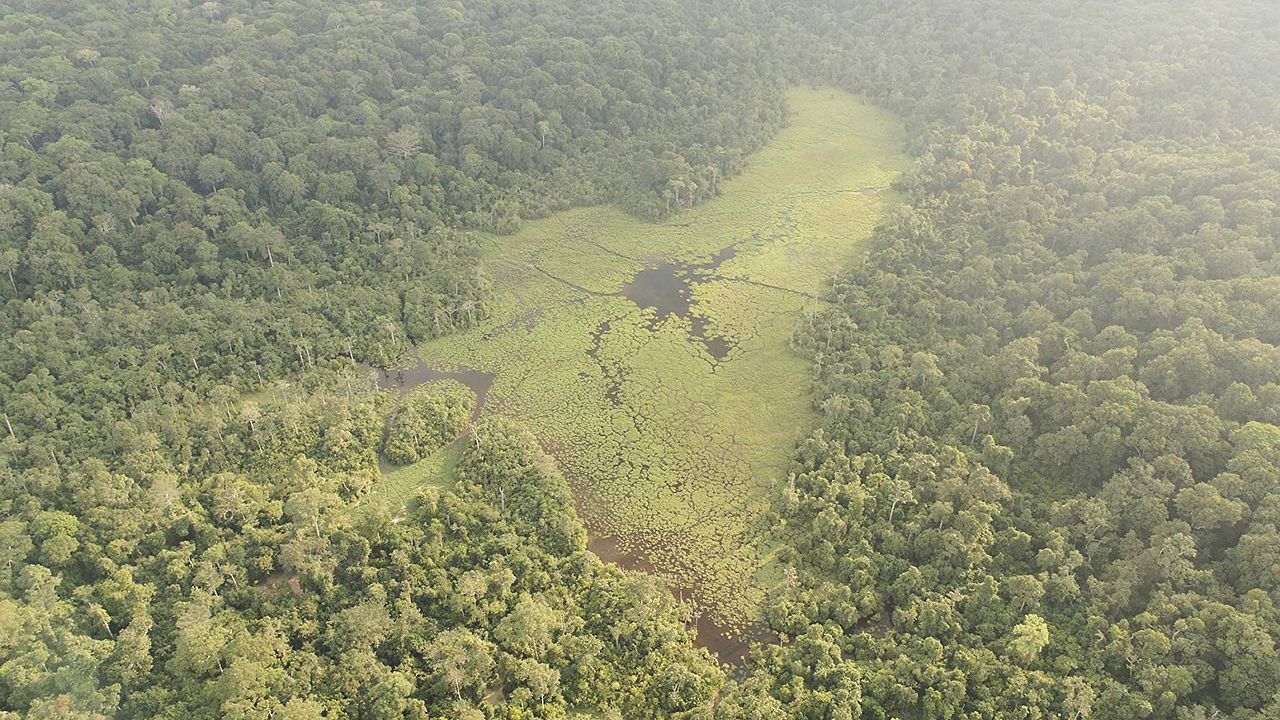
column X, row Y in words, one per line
column 667, row 288
column 405, row 379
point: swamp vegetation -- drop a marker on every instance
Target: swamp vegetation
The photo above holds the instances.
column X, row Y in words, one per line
column 652, row 359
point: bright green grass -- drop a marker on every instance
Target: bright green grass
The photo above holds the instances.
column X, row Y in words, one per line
column 399, row 484
column 678, row 467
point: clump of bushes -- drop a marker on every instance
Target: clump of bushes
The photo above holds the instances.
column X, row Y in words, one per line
column 432, row 415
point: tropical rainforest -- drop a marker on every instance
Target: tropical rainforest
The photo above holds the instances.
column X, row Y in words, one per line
column 512, row 359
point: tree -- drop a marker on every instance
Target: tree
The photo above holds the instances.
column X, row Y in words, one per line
column 1029, row 637
column 541, row 680
column 529, row 628
column 431, row 416
column 899, row 493
column 405, row 142
column 213, row 172
column 201, row 638
column 15, row 545
column 9, row 260
column 460, row 660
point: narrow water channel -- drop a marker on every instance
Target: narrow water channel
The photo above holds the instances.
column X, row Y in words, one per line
column 405, row 379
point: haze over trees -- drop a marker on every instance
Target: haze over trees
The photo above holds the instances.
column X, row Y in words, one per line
column 1046, row 482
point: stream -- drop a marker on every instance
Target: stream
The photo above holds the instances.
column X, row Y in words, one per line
column 403, row 380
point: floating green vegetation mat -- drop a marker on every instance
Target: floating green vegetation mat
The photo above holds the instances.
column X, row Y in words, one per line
column 653, row 361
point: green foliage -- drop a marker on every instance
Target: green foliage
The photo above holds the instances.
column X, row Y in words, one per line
column 200, row 200
column 1044, row 479
column 278, row 600
column 430, row 416
column 1026, row 498
column 216, row 193
column 1029, row 637
column 671, row 450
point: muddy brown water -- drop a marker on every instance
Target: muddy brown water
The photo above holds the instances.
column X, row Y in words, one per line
column 729, row 647
column 403, row 380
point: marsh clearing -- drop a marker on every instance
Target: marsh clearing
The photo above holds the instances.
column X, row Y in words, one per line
column 652, row 360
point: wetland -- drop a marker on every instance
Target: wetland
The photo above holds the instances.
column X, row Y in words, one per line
column 652, row 360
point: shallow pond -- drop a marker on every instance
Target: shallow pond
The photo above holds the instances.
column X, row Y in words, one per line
column 667, row 289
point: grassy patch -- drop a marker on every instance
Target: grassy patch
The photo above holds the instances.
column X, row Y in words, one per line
column 670, row 451
column 399, row 484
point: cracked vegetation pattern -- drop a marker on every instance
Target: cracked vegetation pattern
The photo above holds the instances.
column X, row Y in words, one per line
column 670, row 451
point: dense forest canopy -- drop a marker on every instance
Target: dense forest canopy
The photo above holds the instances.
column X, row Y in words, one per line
column 208, row 194
column 1047, row 478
